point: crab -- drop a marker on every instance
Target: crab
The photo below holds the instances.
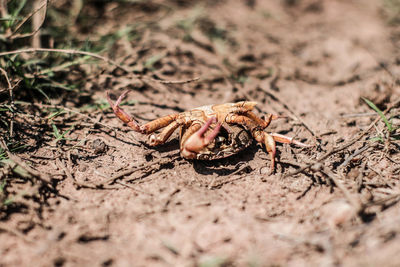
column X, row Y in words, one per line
column 210, row 132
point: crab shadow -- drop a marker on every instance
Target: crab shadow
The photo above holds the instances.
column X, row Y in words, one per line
column 221, row 167
column 226, row 166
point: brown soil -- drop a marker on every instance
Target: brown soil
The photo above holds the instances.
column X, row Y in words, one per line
column 312, row 61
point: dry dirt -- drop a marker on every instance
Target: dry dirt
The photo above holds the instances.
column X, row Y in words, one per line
column 312, row 61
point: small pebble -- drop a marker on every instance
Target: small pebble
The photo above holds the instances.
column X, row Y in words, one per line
column 98, row 146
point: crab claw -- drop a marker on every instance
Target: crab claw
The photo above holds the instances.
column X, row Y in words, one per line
column 198, row 141
column 121, row 114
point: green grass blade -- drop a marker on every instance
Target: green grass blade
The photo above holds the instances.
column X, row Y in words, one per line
column 55, row 114
column 2, row 185
column 19, row 8
column 376, row 139
column 43, row 93
column 66, row 132
column 153, row 60
column 3, row 154
column 56, row 133
column 383, row 117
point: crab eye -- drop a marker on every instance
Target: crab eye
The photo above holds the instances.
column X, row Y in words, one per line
column 220, row 140
column 152, row 139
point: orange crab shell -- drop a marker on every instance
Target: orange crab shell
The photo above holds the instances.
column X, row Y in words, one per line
column 231, row 138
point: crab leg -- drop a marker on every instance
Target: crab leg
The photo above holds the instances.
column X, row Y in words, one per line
column 287, row 140
column 164, row 135
column 146, row 128
column 198, row 140
column 260, row 122
column 257, row 132
column 269, row 140
column 270, row 145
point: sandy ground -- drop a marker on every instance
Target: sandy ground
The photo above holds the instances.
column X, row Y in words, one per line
column 311, row 61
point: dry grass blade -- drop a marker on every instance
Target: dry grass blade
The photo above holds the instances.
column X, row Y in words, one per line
column 348, row 144
column 352, row 199
column 177, row 82
column 94, row 55
column 61, row 164
column 355, row 154
column 69, row 110
column 133, row 188
column 15, row 36
column 8, row 81
column 10, row 91
column 285, row 106
column 128, row 172
column 65, row 51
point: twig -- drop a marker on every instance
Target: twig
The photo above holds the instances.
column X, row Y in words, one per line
column 65, row 51
column 133, row 188
column 392, row 160
column 334, row 178
column 348, row 144
column 356, row 115
column 282, row 103
column 14, row 36
column 8, row 82
column 212, row 185
column 37, row 22
column 355, row 154
column 61, row 164
column 44, row 177
column 67, row 109
column 175, row 82
column 352, row 200
column 127, row 172
column 78, row 52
